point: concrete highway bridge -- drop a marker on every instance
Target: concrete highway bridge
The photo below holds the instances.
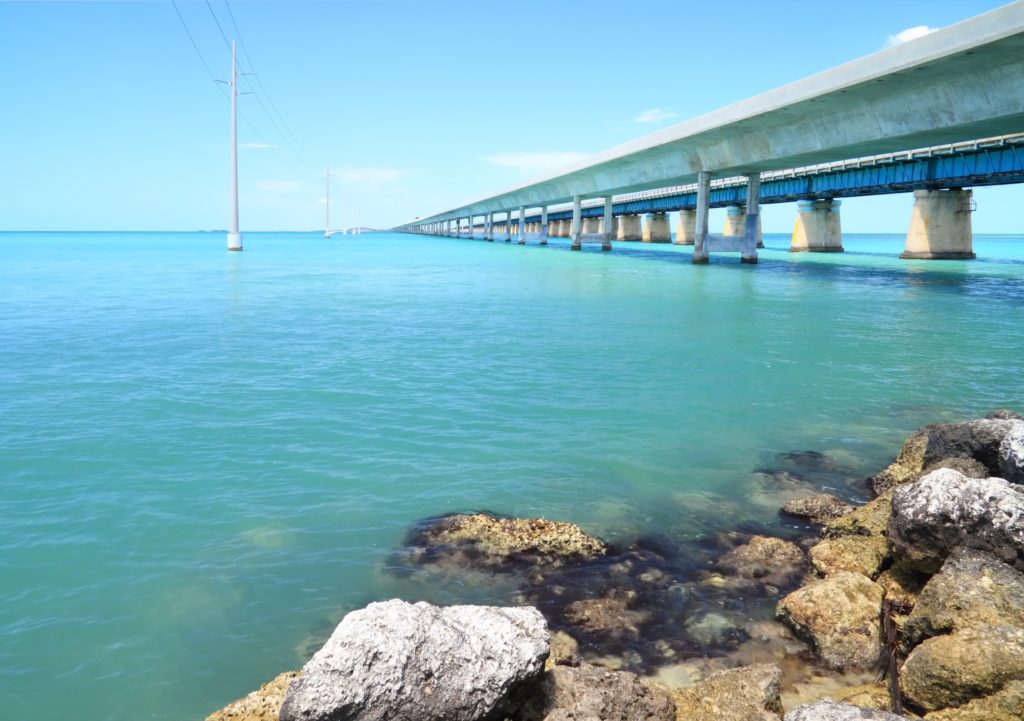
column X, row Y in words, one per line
column 936, row 116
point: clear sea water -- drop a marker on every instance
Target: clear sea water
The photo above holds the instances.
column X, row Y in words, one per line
column 207, row 458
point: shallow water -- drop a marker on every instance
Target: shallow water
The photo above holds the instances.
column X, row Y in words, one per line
column 208, row 458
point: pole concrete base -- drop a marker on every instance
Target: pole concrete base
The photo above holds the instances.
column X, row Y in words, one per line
column 576, row 245
column 629, row 228
column 940, row 226
column 656, row 229
column 818, row 227
column 234, row 241
column 700, row 259
column 686, row 229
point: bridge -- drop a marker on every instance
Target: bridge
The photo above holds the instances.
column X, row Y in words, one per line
column 909, row 117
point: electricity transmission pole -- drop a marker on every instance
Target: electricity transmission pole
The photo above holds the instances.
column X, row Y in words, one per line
column 234, row 236
column 327, row 201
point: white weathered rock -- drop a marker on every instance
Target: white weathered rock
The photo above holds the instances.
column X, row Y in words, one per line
column 829, row 710
column 1011, row 454
column 396, row 661
column 946, row 509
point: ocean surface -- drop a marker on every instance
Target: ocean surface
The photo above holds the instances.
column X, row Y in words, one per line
column 206, row 458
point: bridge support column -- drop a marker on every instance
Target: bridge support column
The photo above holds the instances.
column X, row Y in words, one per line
column 818, row 227
column 700, row 250
column 507, row 231
column 656, row 229
column 736, row 223
column 606, row 225
column 544, row 225
column 590, row 226
column 752, row 221
column 686, row 229
column 575, row 228
column 489, row 228
column 629, row 228
column 940, row 226
column 522, row 225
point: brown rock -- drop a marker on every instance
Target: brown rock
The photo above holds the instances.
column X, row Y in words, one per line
column 750, row 693
column 871, row 519
column 819, row 509
column 841, row 616
column 870, row 695
column 769, row 560
column 1004, row 705
column 607, row 615
column 565, row 651
column 261, row 705
column 866, row 555
column 952, row 670
column 901, row 584
column 591, row 693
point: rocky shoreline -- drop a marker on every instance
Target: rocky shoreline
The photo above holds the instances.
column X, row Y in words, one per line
column 908, row 606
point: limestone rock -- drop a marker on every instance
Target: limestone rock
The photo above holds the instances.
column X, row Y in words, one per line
column 396, row 661
column 590, row 693
column 480, row 540
column 951, row 670
column 1011, row 455
column 1005, row 414
column 972, row 589
column 819, row 509
column 712, row 629
column 866, row 555
column 769, row 560
column 945, row 509
column 261, row 705
column 608, row 615
column 869, row 696
column 829, row 710
column 978, row 440
column 871, row 519
column 750, row 693
column 565, row 650
column 1005, row 705
column 901, row 584
column 841, row 616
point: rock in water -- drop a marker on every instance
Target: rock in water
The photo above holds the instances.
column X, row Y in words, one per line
column 819, row 509
column 396, row 661
column 829, row 710
column 977, row 440
column 840, row 615
column 1011, row 455
column 262, row 705
column 946, row 509
column 972, row 589
column 750, row 693
column 765, row 559
column 591, row 693
column 951, row 670
column 1005, row 705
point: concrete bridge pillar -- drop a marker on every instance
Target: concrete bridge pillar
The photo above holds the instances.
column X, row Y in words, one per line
column 818, row 228
column 736, row 223
column 656, row 229
column 507, row 231
column 700, row 250
column 629, row 228
column 940, row 226
column 605, row 226
column 686, row 229
column 522, row 225
column 489, row 228
column 574, row 230
column 591, row 225
column 752, row 222
column 544, row 225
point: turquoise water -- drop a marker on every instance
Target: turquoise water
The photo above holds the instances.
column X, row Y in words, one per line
column 207, row 458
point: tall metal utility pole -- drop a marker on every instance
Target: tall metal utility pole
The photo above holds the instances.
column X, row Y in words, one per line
column 234, row 236
column 327, row 202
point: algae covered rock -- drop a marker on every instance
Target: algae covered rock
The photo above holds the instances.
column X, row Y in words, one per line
column 869, row 696
column 972, row 589
column 481, row 540
column 396, row 661
column 840, row 616
column 261, row 705
column 977, row 440
column 946, row 509
column 819, row 509
column 591, row 693
column 750, row 693
column 766, row 559
column 866, row 555
column 1004, row 705
column 829, row 710
column 952, row 670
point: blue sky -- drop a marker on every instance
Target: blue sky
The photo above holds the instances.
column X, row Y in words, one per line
column 110, row 120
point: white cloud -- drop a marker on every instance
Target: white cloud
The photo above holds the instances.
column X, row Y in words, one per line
column 372, row 176
column 278, row 186
column 533, row 162
column 918, row 31
column 654, row 115
column 256, row 146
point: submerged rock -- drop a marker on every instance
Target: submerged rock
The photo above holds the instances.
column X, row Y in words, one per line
column 742, row 694
column 829, row 710
column 592, row 693
column 1004, row 705
column 396, row 661
column 945, row 509
column 261, row 705
column 765, row 559
column 565, row 650
column 951, row 670
column 480, row 540
column 977, row 440
column 819, row 509
column 972, row 589
column 841, row 616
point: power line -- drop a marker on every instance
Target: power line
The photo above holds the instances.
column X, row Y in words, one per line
column 196, row 48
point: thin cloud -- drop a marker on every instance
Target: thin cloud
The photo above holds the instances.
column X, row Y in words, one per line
column 905, row 36
column 256, row 146
column 373, row 176
column 654, row 115
column 533, row 162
